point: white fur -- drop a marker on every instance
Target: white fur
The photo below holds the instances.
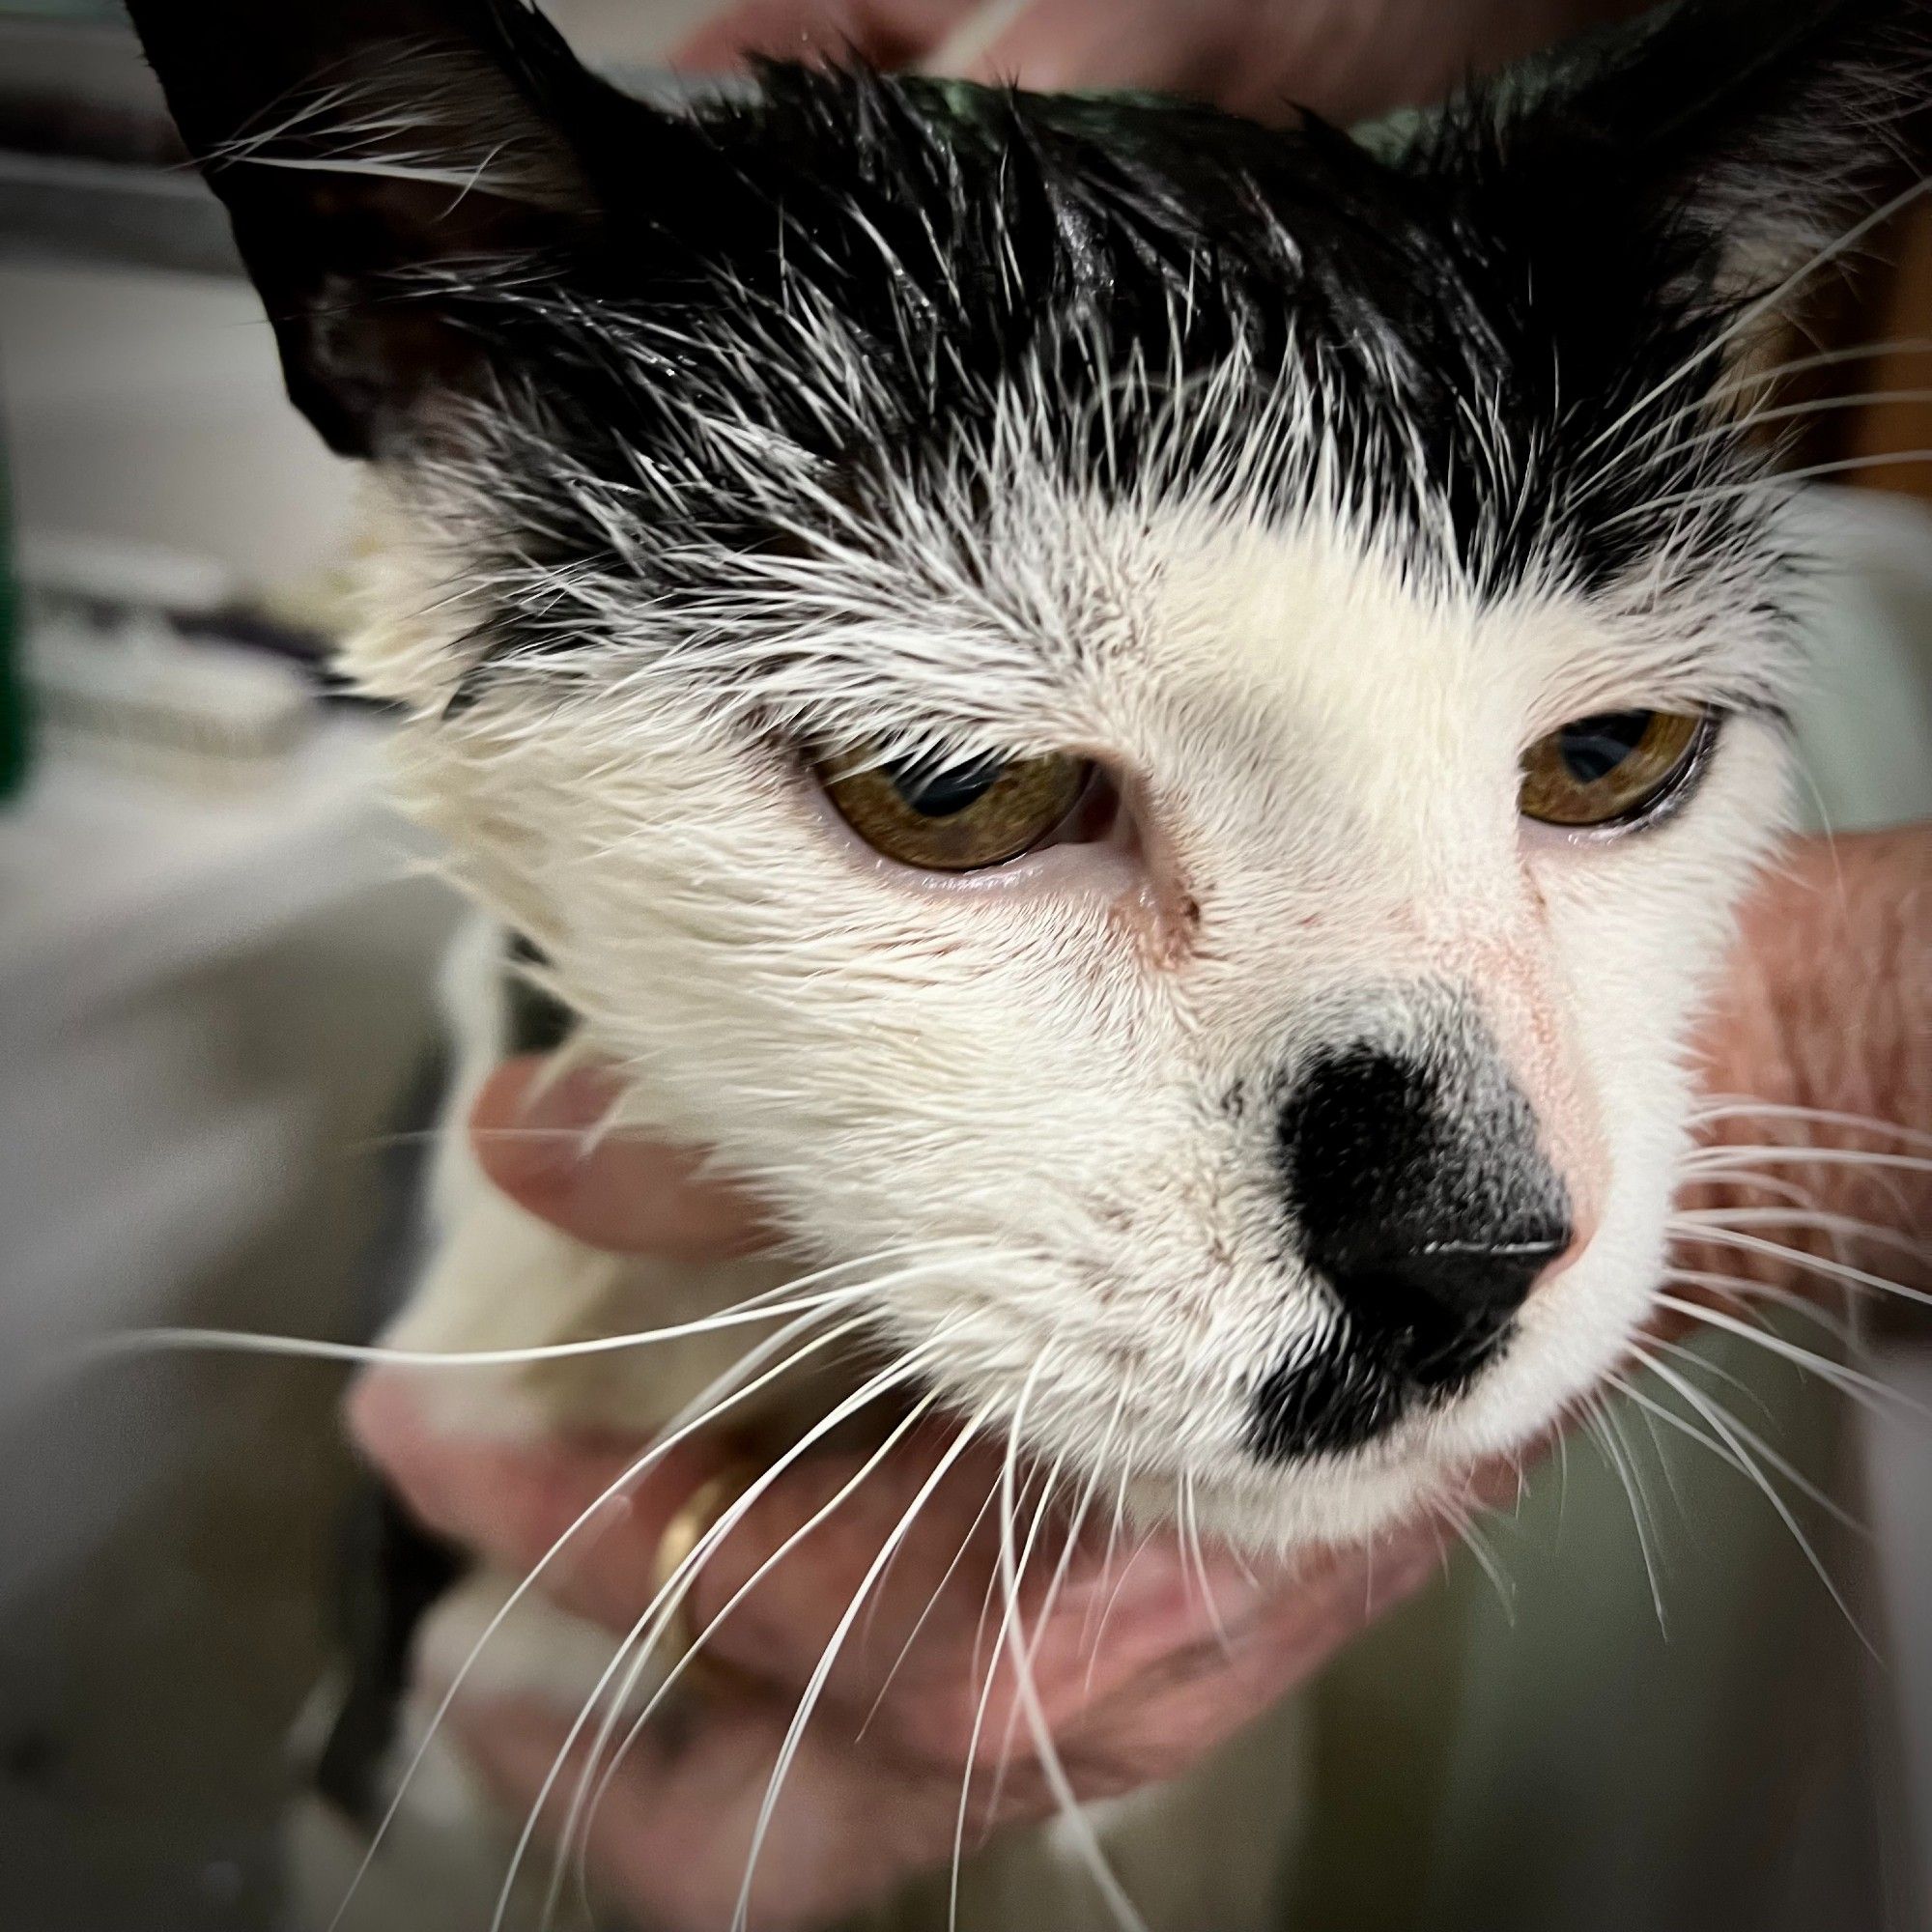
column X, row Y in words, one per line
column 1323, row 733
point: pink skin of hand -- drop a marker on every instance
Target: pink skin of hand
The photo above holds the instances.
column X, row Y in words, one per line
column 1344, row 59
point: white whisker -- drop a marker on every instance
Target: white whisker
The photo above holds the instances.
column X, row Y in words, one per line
column 1853, row 1381
column 656, row 1617
column 1728, row 1431
column 722, row 1395
column 1079, row 1827
column 1808, row 1264
column 808, row 1701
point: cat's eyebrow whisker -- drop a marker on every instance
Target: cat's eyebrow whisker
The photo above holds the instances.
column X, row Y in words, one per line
column 1764, row 379
column 1771, row 482
column 1769, row 413
column 719, row 1396
column 1765, row 304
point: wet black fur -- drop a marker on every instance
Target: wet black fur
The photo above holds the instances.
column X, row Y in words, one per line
column 1476, row 308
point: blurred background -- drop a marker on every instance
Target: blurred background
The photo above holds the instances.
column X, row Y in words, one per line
column 218, row 1052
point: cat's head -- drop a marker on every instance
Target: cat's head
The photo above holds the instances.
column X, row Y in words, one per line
column 1155, row 722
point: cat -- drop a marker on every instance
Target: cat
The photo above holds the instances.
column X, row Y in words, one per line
column 1151, row 726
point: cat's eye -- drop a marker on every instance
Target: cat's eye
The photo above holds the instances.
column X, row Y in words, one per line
column 1615, row 768
column 956, row 817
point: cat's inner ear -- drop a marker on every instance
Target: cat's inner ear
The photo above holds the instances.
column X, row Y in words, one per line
column 377, row 159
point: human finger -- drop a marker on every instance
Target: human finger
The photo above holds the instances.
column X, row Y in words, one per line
column 535, row 1134
column 604, row 1507
column 887, row 32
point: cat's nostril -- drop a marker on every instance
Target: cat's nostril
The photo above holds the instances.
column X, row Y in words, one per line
column 1446, row 1300
column 1424, row 1199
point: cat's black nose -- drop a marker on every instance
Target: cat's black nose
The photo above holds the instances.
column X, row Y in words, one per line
column 1422, row 1199
column 1424, row 1202
column 1440, row 1293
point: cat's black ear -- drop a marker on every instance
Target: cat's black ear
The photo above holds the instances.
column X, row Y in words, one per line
column 1756, row 131
column 372, row 154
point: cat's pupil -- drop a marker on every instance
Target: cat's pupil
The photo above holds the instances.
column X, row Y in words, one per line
column 1592, row 748
column 939, row 791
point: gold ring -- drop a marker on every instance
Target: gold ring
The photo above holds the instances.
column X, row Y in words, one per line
column 697, row 1518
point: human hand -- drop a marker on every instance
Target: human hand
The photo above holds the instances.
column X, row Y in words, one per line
column 1143, row 1655
column 1345, row 59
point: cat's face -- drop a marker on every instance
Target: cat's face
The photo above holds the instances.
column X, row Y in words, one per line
column 1019, row 663
column 1301, row 991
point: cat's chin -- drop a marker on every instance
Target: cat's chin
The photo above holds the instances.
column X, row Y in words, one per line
column 1275, row 1513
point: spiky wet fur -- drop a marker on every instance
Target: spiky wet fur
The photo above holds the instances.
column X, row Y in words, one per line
column 1303, row 483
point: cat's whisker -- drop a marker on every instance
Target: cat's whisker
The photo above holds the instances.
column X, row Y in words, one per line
column 720, row 1397
column 1134, row 1556
column 1597, row 1426
column 1808, row 1264
column 1470, row 1534
column 1853, row 1382
column 1664, row 1461
column 1730, row 1432
column 822, row 1670
column 1765, row 1451
column 1191, row 1542
column 981, row 1704
column 1759, row 1184
column 1886, row 1175
column 1729, row 1107
column 1691, row 1220
column 1102, row 1460
column 1030, row 1641
column 1073, row 1817
column 1074, row 1528
column 641, row 1641
column 1706, row 1159
column 951, row 1569
column 764, row 1307
column 1742, row 1291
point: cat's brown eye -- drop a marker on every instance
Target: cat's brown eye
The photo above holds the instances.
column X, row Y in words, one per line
column 960, row 817
column 1613, row 768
